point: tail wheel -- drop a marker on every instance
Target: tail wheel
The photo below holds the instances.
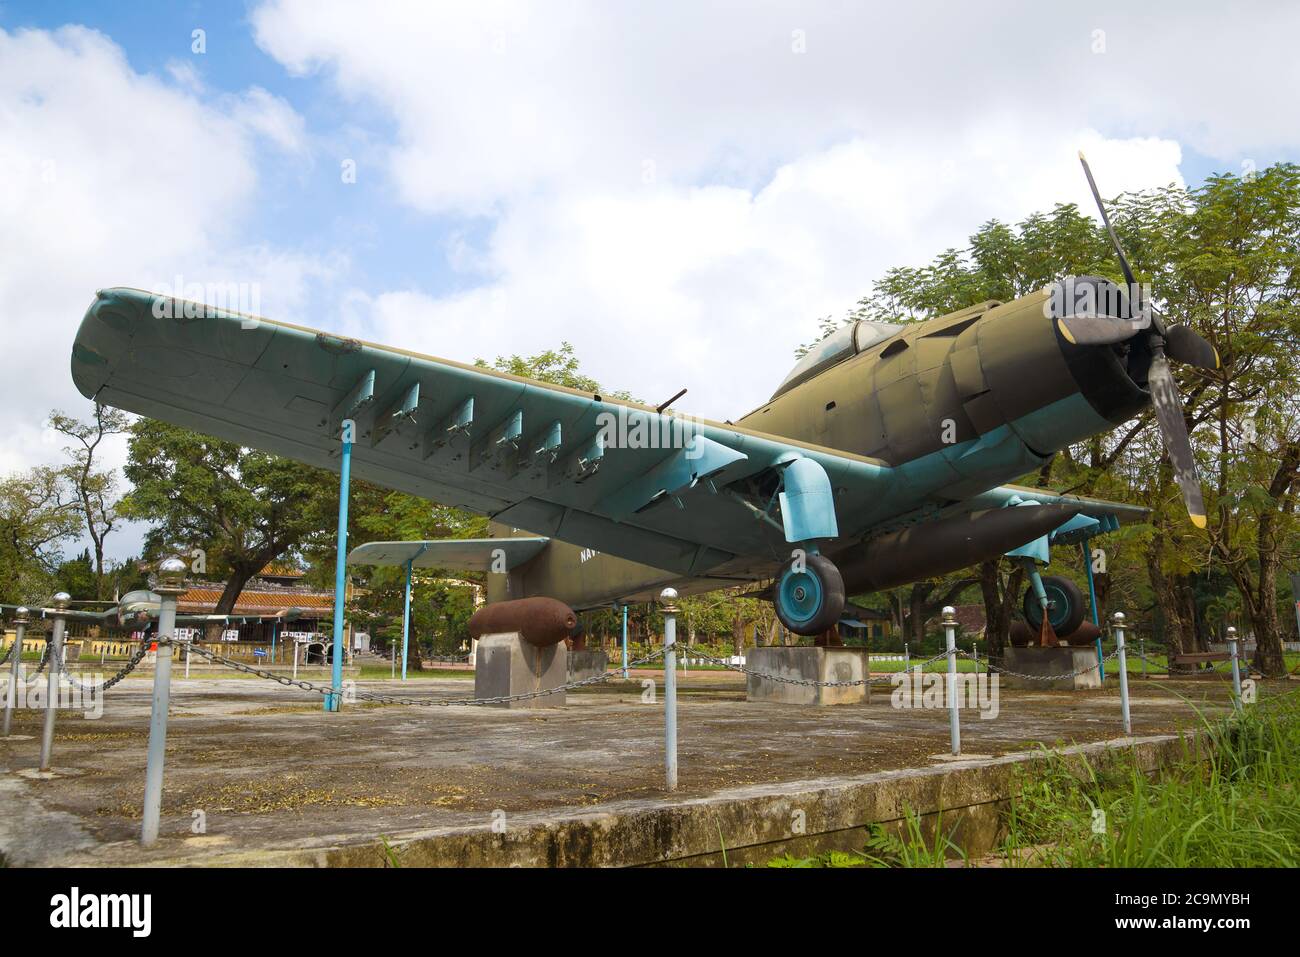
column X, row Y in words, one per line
column 1065, row 607
column 809, row 597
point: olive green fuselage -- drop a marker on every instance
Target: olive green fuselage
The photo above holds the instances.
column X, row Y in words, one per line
column 957, row 405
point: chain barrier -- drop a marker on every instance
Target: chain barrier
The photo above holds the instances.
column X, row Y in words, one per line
column 45, row 660
column 1028, row 677
column 103, row 686
column 1223, row 668
column 812, row 682
column 398, row 699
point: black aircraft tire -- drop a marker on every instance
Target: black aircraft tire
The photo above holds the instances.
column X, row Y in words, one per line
column 809, row 601
column 1063, row 592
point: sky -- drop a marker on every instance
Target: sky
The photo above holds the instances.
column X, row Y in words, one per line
column 680, row 189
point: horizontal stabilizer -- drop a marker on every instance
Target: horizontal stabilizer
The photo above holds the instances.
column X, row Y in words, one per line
column 461, row 554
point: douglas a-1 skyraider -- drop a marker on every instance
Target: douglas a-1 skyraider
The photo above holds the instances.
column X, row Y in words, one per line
column 881, row 459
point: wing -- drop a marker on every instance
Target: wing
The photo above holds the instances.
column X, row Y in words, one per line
column 527, row 453
column 463, row 554
column 1110, row 515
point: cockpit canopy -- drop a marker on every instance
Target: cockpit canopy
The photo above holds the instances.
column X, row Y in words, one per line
column 848, row 340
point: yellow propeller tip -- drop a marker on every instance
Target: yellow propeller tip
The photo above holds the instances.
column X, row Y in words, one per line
column 1065, row 332
column 1081, row 154
column 1198, row 521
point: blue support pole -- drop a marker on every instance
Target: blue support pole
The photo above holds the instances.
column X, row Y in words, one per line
column 275, row 627
column 406, row 617
column 625, row 642
column 1096, row 619
column 334, row 700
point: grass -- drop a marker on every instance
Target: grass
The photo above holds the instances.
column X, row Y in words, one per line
column 1236, row 805
column 378, row 672
column 884, row 848
column 1240, row 807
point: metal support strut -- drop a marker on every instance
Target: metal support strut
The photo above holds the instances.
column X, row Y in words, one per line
column 334, row 700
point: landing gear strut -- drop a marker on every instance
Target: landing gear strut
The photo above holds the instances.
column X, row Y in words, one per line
column 809, row 594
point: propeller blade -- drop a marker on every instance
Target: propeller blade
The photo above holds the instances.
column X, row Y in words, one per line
column 1173, row 429
column 1114, row 240
column 1184, row 344
column 1098, row 330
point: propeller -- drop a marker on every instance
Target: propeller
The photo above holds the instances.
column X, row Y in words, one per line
column 1179, row 342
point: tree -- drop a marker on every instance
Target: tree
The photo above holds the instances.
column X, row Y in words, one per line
column 94, row 489
column 1224, row 258
column 35, row 519
column 77, row 577
column 556, row 366
column 242, row 508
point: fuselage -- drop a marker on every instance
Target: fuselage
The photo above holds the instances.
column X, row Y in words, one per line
column 956, row 405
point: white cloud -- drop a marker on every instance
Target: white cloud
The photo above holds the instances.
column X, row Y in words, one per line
column 712, row 287
column 494, row 101
column 271, row 117
column 112, row 177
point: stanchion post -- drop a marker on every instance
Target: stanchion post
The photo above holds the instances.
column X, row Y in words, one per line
column 1118, row 620
column 907, row 659
column 406, row 617
column 21, row 617
column 625, row 642
column 171, row 585
column 1236, row 668
column 60, row 604
column 669, row 598
column 950, row 630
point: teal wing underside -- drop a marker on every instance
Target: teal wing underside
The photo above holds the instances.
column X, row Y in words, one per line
column 524, row 452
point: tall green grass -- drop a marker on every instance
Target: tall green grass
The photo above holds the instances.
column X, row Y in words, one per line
column 1237, row 805
column 1232, row 801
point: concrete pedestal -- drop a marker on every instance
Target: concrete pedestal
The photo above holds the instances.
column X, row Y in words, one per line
column 507, row 665
column 1053, row 661
column 807, row 664
column 587, row 664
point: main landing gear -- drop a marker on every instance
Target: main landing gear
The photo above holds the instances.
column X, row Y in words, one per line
column 1065, row 607
column 809, row 594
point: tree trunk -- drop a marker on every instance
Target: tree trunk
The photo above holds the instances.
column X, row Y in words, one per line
column 1268, row 631
column 1177, row 637
column 916, row 612
column 999, row 602
column 995, row 625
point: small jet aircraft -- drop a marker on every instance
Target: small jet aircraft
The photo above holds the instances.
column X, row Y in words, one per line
column 881, row 458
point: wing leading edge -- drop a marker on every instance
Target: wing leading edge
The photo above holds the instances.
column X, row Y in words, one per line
column 528, row 453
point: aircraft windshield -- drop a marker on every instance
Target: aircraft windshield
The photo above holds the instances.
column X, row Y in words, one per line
column 835, row 348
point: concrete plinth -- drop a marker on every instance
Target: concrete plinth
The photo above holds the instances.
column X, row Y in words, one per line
column 587, row 664
column 1061, row 660
column 807, row 664
column 508, row 665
